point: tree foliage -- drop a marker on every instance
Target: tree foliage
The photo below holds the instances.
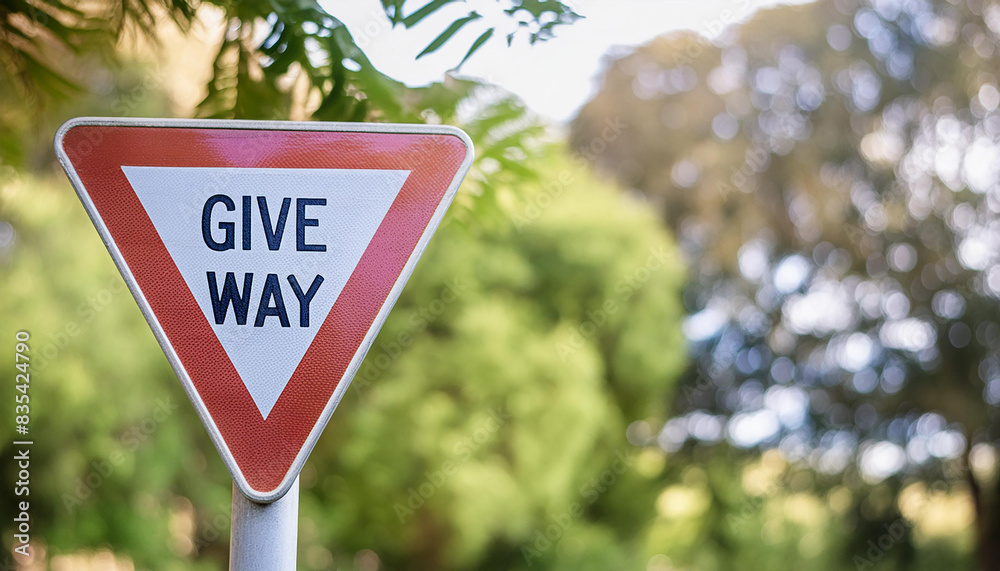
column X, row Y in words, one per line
column 500, row 387
column 830, row 171
column 277, row 57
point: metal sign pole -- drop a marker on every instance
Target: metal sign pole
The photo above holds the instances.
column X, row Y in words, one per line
column 264, row 536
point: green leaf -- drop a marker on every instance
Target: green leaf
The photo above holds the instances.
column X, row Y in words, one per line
column 485, row 37
column 394, row 10
column 426, row 10
column 447, row 34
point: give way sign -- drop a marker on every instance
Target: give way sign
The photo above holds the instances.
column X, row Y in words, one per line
column 265, row 257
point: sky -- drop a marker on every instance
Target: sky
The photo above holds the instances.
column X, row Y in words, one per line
column 554, row 78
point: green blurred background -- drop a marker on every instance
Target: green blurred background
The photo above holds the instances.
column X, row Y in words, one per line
column 739, row 313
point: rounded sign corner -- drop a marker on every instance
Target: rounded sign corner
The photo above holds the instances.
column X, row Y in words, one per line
column 470, row 147
column 57, row 141
column 268, row 497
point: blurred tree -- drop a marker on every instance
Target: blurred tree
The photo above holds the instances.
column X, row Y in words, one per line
column 830, row 171
column 494, row 400
column 520, row 364
column 504, row 415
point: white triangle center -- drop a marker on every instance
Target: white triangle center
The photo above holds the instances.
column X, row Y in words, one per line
column 206, row 238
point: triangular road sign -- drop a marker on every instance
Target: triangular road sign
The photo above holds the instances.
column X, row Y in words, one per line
column 265, row 257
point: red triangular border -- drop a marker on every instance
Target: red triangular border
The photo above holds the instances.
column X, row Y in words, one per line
column 265, row 454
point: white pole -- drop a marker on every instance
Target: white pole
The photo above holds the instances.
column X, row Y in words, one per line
column 264, row 536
